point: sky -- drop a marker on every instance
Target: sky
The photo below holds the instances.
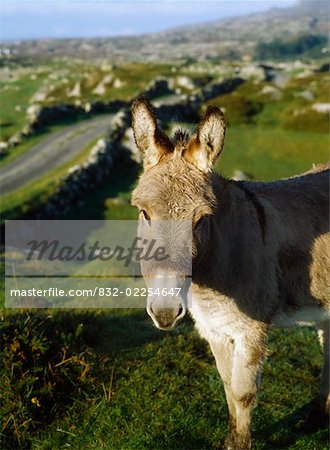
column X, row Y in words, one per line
column 30, row 19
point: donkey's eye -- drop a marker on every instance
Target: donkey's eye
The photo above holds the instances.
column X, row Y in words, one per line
column 145, row 215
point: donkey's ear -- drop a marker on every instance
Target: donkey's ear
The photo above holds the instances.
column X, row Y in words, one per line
column 206, row 147
column 149, row 138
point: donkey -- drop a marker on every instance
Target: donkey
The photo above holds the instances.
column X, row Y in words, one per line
column 260, row 253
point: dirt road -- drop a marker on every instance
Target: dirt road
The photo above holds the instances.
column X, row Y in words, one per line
column 55, row 150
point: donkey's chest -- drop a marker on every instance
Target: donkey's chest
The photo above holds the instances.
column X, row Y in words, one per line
column 216, row 317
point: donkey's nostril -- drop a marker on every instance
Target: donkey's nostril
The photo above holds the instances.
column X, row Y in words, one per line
column 181, row 311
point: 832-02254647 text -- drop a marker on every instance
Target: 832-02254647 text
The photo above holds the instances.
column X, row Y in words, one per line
column 96, row 292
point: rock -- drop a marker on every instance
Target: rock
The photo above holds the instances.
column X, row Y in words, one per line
column 27, row 130
column 16, row 139
column 75, row 91
column 273, row 92
column 305, row 73
column 73, row 169
column 3, row 146
column 306, row 95
column 119, row 120
column 321, row 107
column 106, row 67
column 251, row 71
column 239, row 175
column 100, row 89
column 280, row 79
column 118, row 83
column 99, row 147
column 40, row 96
column 185, row 82
column 130, row 143
column 87, row 107
column 107, row 79
column 33, row 112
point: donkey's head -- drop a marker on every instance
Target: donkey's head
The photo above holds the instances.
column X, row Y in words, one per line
column 174, row 188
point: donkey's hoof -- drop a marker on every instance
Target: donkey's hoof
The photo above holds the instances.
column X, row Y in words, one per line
column 237, row 442
column 229, row 442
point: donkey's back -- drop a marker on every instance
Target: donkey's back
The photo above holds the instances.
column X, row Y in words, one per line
column 301, row 201
column 297, row 227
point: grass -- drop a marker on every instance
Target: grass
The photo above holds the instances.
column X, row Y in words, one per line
column 15, row 96
column 265, row 138
column 143, row 388
column 290, row 111
column 271, row 153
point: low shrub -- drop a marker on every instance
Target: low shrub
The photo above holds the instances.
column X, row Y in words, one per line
column 295, row 46
column 47, row 362
column 238, row 108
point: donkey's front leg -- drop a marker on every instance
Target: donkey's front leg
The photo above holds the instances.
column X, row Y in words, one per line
column 324, row 403
column 223, row 352
column 245, row 380
column 239, row 361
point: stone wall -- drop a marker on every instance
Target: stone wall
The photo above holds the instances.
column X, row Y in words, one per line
column 189, row 107
column 40, row 117
column 104, row 156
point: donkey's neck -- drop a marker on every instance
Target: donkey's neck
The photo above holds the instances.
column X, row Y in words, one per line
column 226, row 253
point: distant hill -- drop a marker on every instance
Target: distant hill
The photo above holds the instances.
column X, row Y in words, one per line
column 232, row 38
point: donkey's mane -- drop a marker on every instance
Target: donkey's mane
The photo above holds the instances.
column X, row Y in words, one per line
column 180, row 137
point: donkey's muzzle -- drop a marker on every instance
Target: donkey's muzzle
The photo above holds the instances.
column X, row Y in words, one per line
column 167, row 300
column 166, row 318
